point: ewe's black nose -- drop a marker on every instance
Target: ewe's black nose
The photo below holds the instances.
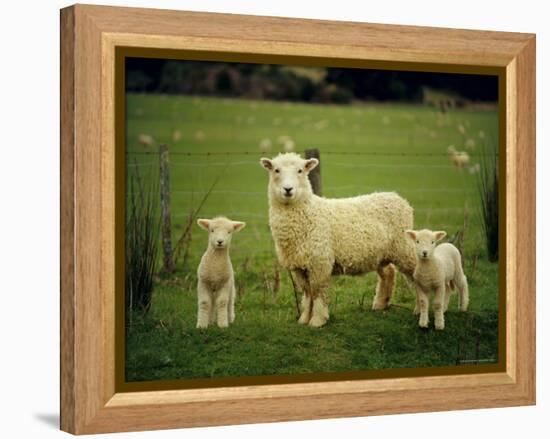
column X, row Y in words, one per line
column 288, row 190
column 424, row 253
column 220, row 241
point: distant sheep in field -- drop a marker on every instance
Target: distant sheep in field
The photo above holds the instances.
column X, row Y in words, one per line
column 216, row 285
column 459, row 159
column 145, row 140
column 265, row 145
column 438, row 270
column 317, row 237
column 176, row 135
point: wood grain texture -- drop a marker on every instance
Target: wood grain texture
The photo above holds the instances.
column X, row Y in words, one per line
column 67, row 253
column 90, row 35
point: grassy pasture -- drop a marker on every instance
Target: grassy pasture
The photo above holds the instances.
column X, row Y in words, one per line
column 364, row 148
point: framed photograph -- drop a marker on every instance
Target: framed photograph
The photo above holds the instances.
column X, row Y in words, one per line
column 269, row 219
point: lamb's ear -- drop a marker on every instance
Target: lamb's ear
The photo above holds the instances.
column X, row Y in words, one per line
column 204, row 224
column 311, row 164
column 238, row 225
column 440, row 235
column 266, row 163
column 411, row 234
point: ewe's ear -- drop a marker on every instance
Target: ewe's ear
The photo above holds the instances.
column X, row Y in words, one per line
column 411, row 234
column 238, row 225
column 440, row 235
column 204, row 224
column 266, row 163
column 311, row 164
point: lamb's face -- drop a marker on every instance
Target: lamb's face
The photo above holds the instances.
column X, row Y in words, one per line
column 288, row 181
column 220, row 230
column 425, row 242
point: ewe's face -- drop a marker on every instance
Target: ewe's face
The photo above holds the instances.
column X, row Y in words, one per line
column 288, row 181
column 220, row 231
column 425, row 242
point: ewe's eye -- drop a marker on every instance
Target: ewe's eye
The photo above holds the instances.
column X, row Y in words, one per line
column 299, row 171
column 432, row 242
column 418, row 242
column 277, row 171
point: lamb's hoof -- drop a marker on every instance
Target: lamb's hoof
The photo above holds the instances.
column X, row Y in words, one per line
column 202, row 325
column 416, row 311
column 423, row 324
column 223, row 325
column 317, row 321
column 304, row 319
column 440, row 326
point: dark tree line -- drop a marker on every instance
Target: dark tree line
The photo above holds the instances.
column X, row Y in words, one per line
column 263, row 81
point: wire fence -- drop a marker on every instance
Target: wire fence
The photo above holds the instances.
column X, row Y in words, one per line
column 257, row 242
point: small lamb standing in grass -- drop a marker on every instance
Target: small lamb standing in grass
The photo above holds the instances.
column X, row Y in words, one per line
column 439, row 270
column 216, row 286
column 317, row 237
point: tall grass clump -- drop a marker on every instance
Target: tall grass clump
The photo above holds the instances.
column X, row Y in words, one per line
column 142, row 237
column 488, row 197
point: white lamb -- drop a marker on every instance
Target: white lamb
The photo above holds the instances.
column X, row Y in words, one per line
column 216, row 285
column 438, row 270
column 316, row 237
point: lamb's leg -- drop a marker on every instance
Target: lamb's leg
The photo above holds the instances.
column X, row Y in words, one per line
column 302, row 283
column 222, row 306
column 204, row 306
column 231, row 306
column 439, row 314
column 424, row 304
column 416, row 310
column 463, row 292
column 448, row 292
column 384, row 288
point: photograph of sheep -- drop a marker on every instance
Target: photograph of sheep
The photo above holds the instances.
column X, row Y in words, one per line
column 286, row 220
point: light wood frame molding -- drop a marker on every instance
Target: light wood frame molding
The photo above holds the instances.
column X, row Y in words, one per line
column 89, row 36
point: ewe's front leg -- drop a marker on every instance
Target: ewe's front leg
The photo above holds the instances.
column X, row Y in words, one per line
column 301, row 281
column 204, row 306
column 384, row 288
column 222, row 306
column 320, row 314
column 438, row 306
column 319, row 280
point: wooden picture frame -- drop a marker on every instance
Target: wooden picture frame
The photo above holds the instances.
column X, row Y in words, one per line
column 91, row 402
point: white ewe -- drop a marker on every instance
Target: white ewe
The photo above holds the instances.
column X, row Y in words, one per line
column 216, row 285
column 316, row 237
column 438, row 270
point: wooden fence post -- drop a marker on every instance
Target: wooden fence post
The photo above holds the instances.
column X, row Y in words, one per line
column 315, row 174
column 166, row 226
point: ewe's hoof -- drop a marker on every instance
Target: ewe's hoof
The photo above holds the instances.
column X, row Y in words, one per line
column 440, row 326
column 380, row 305
column 304, row 319
column 317, row 321
column 423, row 324
column 202, row 325
column 416, row 311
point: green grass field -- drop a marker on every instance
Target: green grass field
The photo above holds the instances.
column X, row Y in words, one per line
column 364, row 148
